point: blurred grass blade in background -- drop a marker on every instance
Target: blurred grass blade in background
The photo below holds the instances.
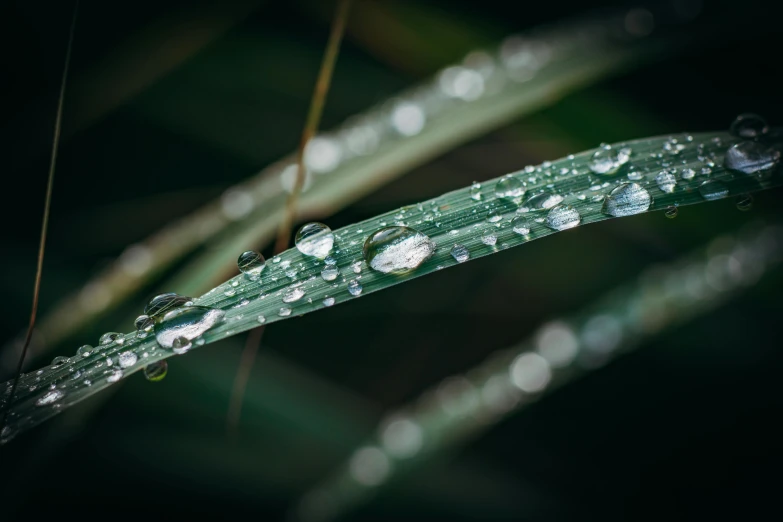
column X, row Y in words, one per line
column 327, row 268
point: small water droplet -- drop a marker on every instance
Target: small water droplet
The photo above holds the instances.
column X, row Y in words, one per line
column 744, row 202
column 509, row 187
column 284, row 312
column 314, row 239
column 230, row 292
column 673, row 147
column 59, row 361
column 328, row 301
column 607, row 161
column 293, row 294
column 475, row 191
column 671, row 212
column 494, row 216
column 489, row 239
column 110, row 337
column 751, row 157
column 261, row 319
column 251, row 263
column 713, row 189
column 50, row 397
column 330, row 273
column 162, row 303
column 127, row 359
column 626, row 200
column 749, row 126
column 355, row 288
column 687, row 173
column 520, row 225
column 84, row 350
column 156, row 371
column 181, row 345
column 356, row 266
column 666, row 181
column 397, row 249
column 111, row 376
column 460, row 253
column 187, row 322
column 563, row 217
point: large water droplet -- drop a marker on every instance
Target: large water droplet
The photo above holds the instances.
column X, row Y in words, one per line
column 520, row 225
column 397, row 249
column 542, row 201
column 156, row 371
column 749, row 126
column 314, row 239
column 713, row 189
column 563, row 217
column 160, row 304
column 251, row 263
column 50, row 397
column 188, row 322
column 607, row 161
column 666, row 181
column 460, row 253
column 626, row 200
column 509, row 187
column 750, row 157
column 293, row 294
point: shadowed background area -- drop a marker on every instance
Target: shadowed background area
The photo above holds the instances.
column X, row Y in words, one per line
column 171, row 103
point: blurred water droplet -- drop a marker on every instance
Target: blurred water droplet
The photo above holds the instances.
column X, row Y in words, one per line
column 314, row 239
column 397, row 249
column 489, row 239
column 408, row 119
column 355, row 287
column 293, row 294
column 284, row 312
column 543, row 201
column 50, row 397
column 666, row 181
column 713, row 189
column 261, row 319
column 671, row 212
column 749, row 126
column 509, row 187
column 687, row 173
column 187, row 322
column 127, row 359
column 251, row 264
column 626, row 200
column 328, row 301
column 494, row 216
column 673, row 147
column 111, row 376
column 563, row 217
column 110, row 337
column 607, row 161
column 162, row 303
column 59, row 361
column 751, row 157
column 156, row 371
column 460, row 253
column 744, row 202
column 330, row 273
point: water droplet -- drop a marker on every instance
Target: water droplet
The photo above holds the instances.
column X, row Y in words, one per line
column 181, row 345
column 509, row 187
column 293, row 294
column 666, row 181
column 494, row 216
column 356, row 266
column 230, row 292
column 50, row 397
column 687, row 173
column 489, row 239
column 397, row 249
column 626, row 200
column 671, row 212
column 330, row 273
column 563, row 217
column 110, row 337
column 749, row 126
column 188, row 322
column 543, row 201
column 460, row 253
column 251, row 263
column 672, row 147
column 750, row 157
column 162, row 303
column 607, row 161
column 314, row 239
column 156, row 371
column 520, row 225
column 59, row 361
column 112, row 376
column 744, row 202
column 475, row 191
column 85, row 350
column 127, row 359
column 713, row 189
column 284, row 312
column 328, row 301
column 261, row 319
column 355, row 288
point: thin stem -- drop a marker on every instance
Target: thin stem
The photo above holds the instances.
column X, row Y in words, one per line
column 240, row 381
column 45, row 222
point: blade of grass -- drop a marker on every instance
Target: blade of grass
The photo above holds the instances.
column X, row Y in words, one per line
column 671, row 171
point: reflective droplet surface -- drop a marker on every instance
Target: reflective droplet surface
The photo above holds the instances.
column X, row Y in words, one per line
column 59, row 361
column 489, row 239
column 713, row 189
column 284, row 312
column 749, row 126
column 315, row 240
column 110, row 337
column 751, row 157
column 520, row 225
column 607, row 161
column 162, row 303
column 187, row 322
column 475, row 191
column 144, row 323
column 626, row 200
column 127, row 359
column 251, row 263
column 328, row 301
column 666, row 181
column 494, row 216
column 50, row 397
column 293, row 294
column 330, row 273
column 397, row 249
column 687, row 173
column 744, row 202
column 671, row 212
column 460, row 253
column 509, row 187
column 563, row 217
column 156, row 371
column 181, row 345
column 355, row 288
column 543, row 201
column 85, row 350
